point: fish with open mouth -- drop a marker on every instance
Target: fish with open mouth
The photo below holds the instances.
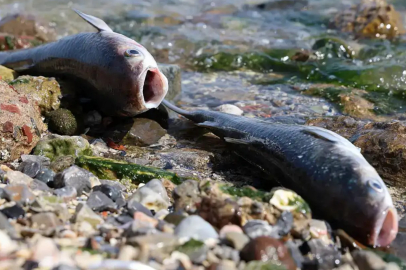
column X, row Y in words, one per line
column 327, row 170
column 119, row 73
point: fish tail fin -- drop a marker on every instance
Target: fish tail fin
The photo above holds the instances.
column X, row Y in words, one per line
column 176, row 109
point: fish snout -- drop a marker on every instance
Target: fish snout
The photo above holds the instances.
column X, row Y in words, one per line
column 386, row 229
column 154, row 87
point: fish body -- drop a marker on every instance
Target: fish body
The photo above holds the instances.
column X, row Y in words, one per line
column 324, row 168
column 119, row 73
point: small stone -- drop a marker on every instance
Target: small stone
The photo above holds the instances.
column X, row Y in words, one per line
column 46, row 253
column 152, row 195
column 43, row 161
column 367, row 260
column 267, row 249
column 13, row 212
column 134, row 206
column 98, row 201
column 92, row 118
column 226, row 253
column 30, row 168
column 230, row 109
column 7, row 244
column 65, row 267
column 110, row 264
column 16, row 177
column 175, row 218
column 46, row 176
column 326, row 256
column 85, row 213
column 256, row 228
column 113, row 192
column 163, row 242
column 229, row 228
column 45, row 221
column 39, row 185
column 6, row 226
column 74, row 177
column 237, row 240
column 19, row 193
column 66, row 193
column 186, row 196
column 143, row 132
column 195, row 227
column 63, row 122
column 161, row 214
column 128, row 253
column 141, row 227
column 62, row 163
column 196, row 250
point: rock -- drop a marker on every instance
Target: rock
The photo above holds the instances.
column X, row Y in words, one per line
column 85, row 213
column 92, row 118
column 173, row 74
column 65, row 267
column 258, row 265
column 20, row 124
column 267, row 249
column 55, row 146
column 160, row 242
column 16, row 178
column 66, row 193
column 74, row 177
column 368, row 260
column 230, row 109
column 46, row 253
column 6, row 226
column 7, row 244
column 45, row 221
column 195, row 250
column 46, row 176
column 111, row 191
column 226, row 253
column 186, row 196
column 142, row 225
column 38, row 185
column 19, row 193
column 30, row 168
column 128, row 253
column 99, row 201
column 161, row 214
column 175, row 217
column 237, row 240
column 143, row 132
column 326, row 256
column 7, row 74
column 152, row 195
column 13, row 212
column 365, row 20
column 62, row 163
column 27, row 25
column 256, row 228
column 63, row 122
column 195, row 227
column 134, row 206
column 44, row 92
column 43, row 161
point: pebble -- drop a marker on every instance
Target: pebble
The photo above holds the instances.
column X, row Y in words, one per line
column 62, row 163
column 195, row 227
column 195, row 250
column 143, row 132
column 153, row 195
column 230, row 109
column 229, row 228
column 256, row 228
column 7, row 244
column 66, row 193
column 46, row 253
column 111, row 264
column 6, row 226
column 74, row 177
column 368, row 260
column 19, row 193
column 98, row 201
column 175, row 218
column 227, row 253
column 85, row 213
column 45, row 220
column 111, row 191
column 17, row 177
column 30, row 168
column 43, row 161
column 134, row 206
column 13, row 212
column 39, row 185
column 46, row 175
column 237, row 240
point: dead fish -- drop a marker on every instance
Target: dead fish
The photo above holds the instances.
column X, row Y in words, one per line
column 324, row 168
column 119, row 73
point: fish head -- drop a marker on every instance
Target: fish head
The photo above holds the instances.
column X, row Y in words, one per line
column 146, row 85
column 374, row 207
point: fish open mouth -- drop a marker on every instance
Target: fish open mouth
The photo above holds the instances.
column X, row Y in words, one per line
column 388, row 230
column 154, row 88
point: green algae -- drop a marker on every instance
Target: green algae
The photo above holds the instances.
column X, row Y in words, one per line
column 111, row 169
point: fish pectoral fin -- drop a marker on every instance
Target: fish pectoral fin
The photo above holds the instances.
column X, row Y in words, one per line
column 236, row 141
column 99, row 24
column 20, row 65
column 207, row 124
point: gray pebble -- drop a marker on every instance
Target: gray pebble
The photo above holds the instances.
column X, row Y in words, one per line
column 195, row 227
column 255, row 228
column 74, row 177
column 98, row 201
column 43, row 161
column 46, row 175
column 30, row 168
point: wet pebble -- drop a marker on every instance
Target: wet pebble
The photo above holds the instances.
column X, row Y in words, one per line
column 13, row 212
column 74, row 177
column 195, row 227
column 30, row 168
column 98, row 201
column 46, row 175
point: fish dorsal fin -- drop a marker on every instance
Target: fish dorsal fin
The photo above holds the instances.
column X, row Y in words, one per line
column 326, row 135
column 99, row 24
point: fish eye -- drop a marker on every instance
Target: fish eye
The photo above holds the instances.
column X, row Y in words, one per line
column 132, row 53
column 375, row 185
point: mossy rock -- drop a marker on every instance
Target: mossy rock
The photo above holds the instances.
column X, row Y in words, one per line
column 63, row 122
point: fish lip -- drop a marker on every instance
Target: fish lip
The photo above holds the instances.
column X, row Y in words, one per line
column 386, row 230
column 142, row 77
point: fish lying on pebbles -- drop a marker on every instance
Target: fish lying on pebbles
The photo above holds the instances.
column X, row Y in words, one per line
column 119, row 73
column 324, row 168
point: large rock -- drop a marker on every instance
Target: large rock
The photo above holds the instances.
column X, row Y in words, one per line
column 20, row 124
